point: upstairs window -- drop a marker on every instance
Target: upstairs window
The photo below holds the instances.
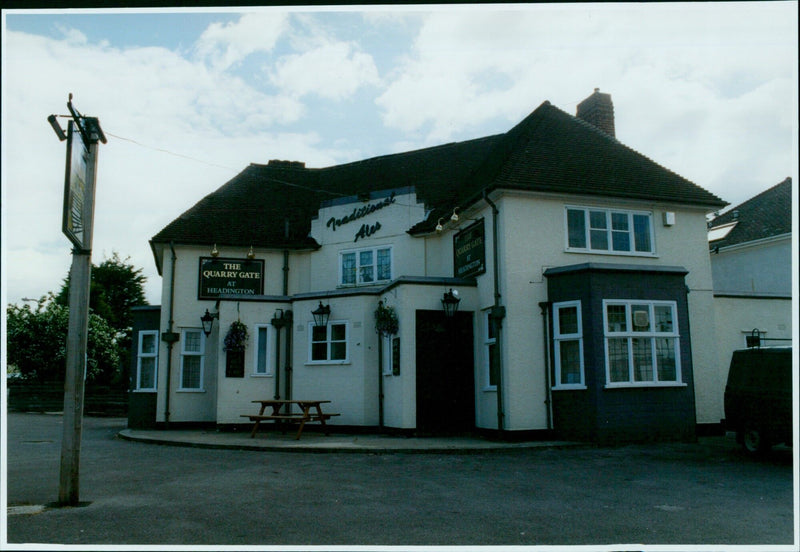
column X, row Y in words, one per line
column 609, row 231
column 365, row 266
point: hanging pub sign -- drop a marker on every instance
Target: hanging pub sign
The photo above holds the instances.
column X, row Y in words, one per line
column 469, row 251
column 218, row 277
column 76, row 190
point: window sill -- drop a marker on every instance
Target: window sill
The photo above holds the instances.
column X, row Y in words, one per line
column 328, row 363
column 647, row 385
column 261, row 375
column 490, row 389
column 363, row 284
column 612, row 253
column 145, row 391
column 191, row 391
column 570, row 388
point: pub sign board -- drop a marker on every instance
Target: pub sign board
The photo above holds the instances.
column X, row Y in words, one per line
column 217, row 277
column 77, row 187
column 469, row 251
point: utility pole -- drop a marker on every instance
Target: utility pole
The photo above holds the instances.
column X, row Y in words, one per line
column 82, row 138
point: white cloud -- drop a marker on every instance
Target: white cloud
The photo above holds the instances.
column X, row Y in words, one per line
column 331, row 70
column 176, row 132
column 224, row 45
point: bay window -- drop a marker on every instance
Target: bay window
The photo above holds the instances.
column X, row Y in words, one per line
column 568, row 340
column 641, row 343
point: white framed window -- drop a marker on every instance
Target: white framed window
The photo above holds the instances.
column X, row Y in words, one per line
column 642, row 344
column 612, row 231
column 391, row 355
column 491, row 359
column 193, row 342
column 329, row 344
column 147, row 361
column 263, row 352
column 568, row 346
column 365, row 266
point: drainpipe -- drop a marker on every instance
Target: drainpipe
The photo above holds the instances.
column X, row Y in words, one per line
column 277, row 361
column 497, row 314
column 545, row 306
column 170, row 337
column 380, row 380
column 289, row 321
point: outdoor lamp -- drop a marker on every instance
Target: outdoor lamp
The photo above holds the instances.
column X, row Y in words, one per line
column 439, row 226
column 454, row 216
column 208, row 321
column 450, row 301
column 321, row 315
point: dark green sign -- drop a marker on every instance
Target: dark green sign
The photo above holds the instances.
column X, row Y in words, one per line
column 217, row 277
column 469, row 251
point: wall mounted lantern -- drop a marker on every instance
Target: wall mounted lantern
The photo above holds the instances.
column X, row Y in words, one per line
column 215, row 251
column 321, row 314
column 450, row 301
column 454, row 216
column 208, row 321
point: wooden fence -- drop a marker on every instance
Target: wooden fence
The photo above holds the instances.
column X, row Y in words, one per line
column 49, row 397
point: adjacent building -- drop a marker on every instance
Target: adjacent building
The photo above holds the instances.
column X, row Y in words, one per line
column 579, row 270
column 751, row 269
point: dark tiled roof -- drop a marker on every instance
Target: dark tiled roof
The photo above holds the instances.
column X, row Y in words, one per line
column 766, row 215
column 548, row 151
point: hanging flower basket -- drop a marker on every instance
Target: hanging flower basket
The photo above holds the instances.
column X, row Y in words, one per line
column 236, row 338
column 386, row 320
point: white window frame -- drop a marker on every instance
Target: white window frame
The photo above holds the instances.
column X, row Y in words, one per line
column 357, row 253
column 328, row 329
column 488, row 343
column 140, row 355
column 558, row 337
column 388, row 358
column 609, row 231
column 269, row 353
column 652, row 335
column 184, row 354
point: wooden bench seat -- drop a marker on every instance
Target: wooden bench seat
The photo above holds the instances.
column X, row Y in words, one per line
column 298, row 417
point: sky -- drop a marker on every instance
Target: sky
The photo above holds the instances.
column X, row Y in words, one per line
column 189, row 98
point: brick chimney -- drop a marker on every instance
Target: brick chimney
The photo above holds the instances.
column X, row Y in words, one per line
column 598, row 110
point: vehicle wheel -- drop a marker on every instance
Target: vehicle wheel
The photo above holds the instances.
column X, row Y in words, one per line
column 754, row 440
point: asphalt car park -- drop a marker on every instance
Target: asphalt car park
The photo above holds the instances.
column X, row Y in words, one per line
column 704, row 493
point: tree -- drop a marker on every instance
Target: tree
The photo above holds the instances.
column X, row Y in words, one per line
column 116, row 286
column 37, row 343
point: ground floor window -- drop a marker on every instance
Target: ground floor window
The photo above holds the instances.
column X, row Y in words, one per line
column 568, row 340
column 192, row 356
column 642, row 345
column 328, row 343
column 492, row 362
column 262, row 365
column 147, row 361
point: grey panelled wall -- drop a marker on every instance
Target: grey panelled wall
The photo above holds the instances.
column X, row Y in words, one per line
column 614, row 414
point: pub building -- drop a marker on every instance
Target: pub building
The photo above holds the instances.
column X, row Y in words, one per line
column 544, row 282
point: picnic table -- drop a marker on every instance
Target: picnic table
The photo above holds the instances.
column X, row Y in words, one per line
column 306, row 414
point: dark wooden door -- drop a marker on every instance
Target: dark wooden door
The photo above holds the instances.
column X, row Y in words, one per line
column 445, row 373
